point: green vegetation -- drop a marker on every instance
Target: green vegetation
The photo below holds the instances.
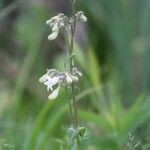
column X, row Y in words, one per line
column 113, row 54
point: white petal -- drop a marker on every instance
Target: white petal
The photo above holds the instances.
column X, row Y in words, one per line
column 83, row 18
column 61, row 25
column 52, row 20
column 55, row 27
column 74, row 78
column 68, row 78
column 51, row 82
column 53, row 35
column 80, row 16
column 80, row 74
column 54, row 94
column 49, row 85
column 50, row 71
column 43, row 78
column 48, row 22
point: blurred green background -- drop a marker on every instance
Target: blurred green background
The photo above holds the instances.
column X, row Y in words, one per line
column 113, row 53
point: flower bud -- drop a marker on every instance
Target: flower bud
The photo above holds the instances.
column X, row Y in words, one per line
column 83, row 18
column 43, row 78
column 53, row 36
column 74, row 78
column 68, row 78
column 55, row 27
column 80, row 16
column 79, row 74
column 54, row 94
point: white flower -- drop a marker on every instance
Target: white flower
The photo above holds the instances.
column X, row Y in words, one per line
column 62, row 23
column 54, row 94
column 80, row 16
column 56, row 24
column 74, row 78
column 68, row 78
column 54, row 78
column 53, row 36
column 43, row 78
column 55, row 27
column 54, row 20
column 51, row 81
column 76, row 72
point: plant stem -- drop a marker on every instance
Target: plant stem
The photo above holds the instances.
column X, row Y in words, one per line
column 73, row 26
column 70, row 109
column 75, row 107
column 74, row 117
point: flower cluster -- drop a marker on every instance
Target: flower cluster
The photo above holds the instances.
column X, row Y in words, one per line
column 62, row 23
column 54, row 78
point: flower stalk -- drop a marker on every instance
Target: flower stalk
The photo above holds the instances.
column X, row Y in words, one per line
column 71, row 50
column 68, row 78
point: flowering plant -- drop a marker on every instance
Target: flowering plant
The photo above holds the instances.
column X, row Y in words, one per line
column 54, row 79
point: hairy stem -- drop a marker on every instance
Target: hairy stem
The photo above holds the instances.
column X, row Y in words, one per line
column 70, row 109
column 73, row 27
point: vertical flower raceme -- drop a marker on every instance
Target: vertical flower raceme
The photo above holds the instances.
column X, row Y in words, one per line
column 53, row 79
